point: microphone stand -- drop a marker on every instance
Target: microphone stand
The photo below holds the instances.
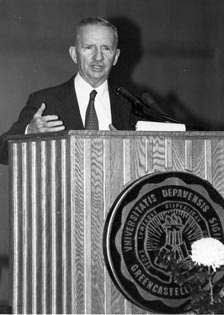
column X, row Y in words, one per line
column 141, row 109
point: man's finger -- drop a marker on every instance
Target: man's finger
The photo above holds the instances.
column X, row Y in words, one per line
column 50, row 117
column 40, row 111
column 111, row 127
column 54, row 129
column 54, row 123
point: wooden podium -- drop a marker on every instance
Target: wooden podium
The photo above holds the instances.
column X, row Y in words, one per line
column 61, row 189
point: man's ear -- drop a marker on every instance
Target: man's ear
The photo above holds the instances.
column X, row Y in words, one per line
column 72, row 53
column 116, row 56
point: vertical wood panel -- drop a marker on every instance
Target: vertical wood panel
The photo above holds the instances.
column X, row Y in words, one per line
column 218, row 165
column 77, row 224
column 48, row 219
column 107, row 205
column 39, row 227
column 97, row 223
column 53, row 254
column 138, row 157
column 168, row 154
column 14, row 237
column 34, row 261
column 25, row 231
column 188, row 156
column 44, row 233
column 149, row 154
column 64, row 229
column 19, row 231
column 87, row 227
column 127, row 162
column 208, row 160
column 198, row 157
column 158, row 154
column 178, row 154
column 117, row 180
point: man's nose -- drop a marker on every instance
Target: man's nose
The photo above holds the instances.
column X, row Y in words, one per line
column 98, row 54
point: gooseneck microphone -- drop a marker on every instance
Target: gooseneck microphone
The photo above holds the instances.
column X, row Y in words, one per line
column 128, row 95
column 142, row 109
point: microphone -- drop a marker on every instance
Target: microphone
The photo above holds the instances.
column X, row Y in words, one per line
column 128, row 95
column 136, row 102
column 142, row 109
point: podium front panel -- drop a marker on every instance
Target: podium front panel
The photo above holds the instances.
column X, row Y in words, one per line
column 61, row 189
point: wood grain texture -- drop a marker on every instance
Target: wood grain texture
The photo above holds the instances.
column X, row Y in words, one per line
column 97, row 223
column 107, row 205
column 116, row 184
column 178, row 153
column 208, row 160
column 158, row 154
column 77, row 225
column 218, row 165
column 62, row 188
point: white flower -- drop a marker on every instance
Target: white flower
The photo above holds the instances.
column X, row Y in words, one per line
column 208, row 252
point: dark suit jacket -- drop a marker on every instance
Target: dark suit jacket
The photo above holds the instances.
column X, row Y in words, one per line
column 61, row 100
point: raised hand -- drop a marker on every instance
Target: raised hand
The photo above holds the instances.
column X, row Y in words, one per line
column 41, row 123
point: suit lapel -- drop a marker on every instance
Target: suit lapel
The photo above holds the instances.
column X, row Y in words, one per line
column 115, row 110
column 70, row 112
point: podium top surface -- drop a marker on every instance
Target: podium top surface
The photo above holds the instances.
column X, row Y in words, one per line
column 117, row 133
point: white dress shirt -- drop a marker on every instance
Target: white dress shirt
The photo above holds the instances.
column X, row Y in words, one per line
column 102, row 101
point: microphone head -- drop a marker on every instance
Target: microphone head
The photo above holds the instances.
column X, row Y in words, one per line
column 132, row 99
column 128, row 95
column 119, row 90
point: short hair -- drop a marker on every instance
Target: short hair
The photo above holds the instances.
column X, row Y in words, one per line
column 97, row 21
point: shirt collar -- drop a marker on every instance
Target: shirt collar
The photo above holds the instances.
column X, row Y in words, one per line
column 84, row 86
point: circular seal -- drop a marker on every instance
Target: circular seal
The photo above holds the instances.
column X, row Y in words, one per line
column 154, row 216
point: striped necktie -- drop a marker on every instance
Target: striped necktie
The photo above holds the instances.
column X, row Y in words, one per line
column 91, row 121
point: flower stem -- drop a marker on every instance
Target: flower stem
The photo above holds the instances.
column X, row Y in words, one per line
column 211, row 287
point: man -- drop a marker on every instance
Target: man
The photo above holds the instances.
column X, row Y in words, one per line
column 64, row 106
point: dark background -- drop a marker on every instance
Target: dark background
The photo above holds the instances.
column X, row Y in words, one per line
column 173, row 49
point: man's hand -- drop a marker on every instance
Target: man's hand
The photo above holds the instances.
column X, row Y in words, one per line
column 111, row 127
column 48, row 123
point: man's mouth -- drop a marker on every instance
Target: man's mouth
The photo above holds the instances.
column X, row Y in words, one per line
column 97, row 67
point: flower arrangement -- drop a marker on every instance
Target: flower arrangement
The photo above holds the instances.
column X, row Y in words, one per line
column 208, row 252
column 203, row 272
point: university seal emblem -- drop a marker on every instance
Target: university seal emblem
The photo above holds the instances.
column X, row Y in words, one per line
column 154, row 216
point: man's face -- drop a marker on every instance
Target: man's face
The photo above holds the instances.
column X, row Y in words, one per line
column 95, row 53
